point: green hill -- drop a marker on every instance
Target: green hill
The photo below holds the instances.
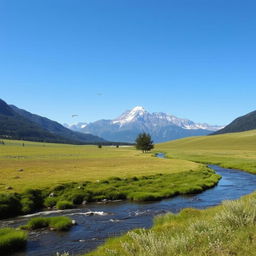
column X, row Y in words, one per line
column 232, row 150
column 21, row 125
column 241, row 124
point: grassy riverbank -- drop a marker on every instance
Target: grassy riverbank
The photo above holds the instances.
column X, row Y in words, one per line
column 141, row 188
column 12, row 240
column 59, row 223
column 41, row 165
column 228, row 229
column 234, row 150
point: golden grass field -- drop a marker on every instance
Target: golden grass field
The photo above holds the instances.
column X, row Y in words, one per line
column 233, row 150
column 46, row 164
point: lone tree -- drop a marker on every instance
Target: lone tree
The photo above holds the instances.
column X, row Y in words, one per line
column 144, row 142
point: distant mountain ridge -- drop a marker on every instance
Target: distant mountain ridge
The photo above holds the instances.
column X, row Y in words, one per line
column 161, row 126
column 240, row 124
column 18, row 124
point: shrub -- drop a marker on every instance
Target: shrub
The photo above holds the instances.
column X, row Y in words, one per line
column 77, row 197
column 62, row 205
column 9, row 205
column 31, row 201
column 236, row 214
column 38, row 222
column 50, row 202
column 60, row 223
column 12, row 240
column 144, row 196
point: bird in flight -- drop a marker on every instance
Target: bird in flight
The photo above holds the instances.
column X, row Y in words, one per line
column 74, row 116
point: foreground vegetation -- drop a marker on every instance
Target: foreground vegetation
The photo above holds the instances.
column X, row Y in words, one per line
column 228, row 229
column 42, row 165
column 60, row 223
column 12, row 240
column 144, row 188
column 233, row 150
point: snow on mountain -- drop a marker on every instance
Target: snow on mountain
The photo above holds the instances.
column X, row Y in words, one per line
column 76, row 127
column 130, row 116
column 161, row 126
column 139, row 113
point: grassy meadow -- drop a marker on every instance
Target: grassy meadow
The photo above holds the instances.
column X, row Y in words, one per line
column 37, row 176
column 228, row 229
column 233, row 150
column 39, row 165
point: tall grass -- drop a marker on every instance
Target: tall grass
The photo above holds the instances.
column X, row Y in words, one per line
column 145, row 188
column 61, row 223
column 11, row 240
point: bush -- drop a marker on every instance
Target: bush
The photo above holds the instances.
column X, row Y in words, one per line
column 62, row 205
column 61, row 223
column 31, row 201
column 50, row 202
column 9, row 205
column 12, row 240
column 77, row 197
column 37, row 223
column 57, row 223
column 236, row 214
column 143, row 196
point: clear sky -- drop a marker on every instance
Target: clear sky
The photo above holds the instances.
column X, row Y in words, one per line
column 96, row 58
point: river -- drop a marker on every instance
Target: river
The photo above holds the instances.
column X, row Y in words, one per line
column 97, row 222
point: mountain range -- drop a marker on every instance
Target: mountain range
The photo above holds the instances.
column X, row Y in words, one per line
column 161, row 126
column 20, row 124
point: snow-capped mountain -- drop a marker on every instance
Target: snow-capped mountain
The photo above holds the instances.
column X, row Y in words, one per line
column 76, row 127
column 161, row 126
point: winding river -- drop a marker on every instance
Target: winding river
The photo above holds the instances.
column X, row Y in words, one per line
column 97, row 222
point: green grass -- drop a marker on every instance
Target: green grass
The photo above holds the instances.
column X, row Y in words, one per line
column 234, row 150
column 29, row 176
column 61, row 223
column 62, row 205
column 229, row 229
column 42, row 165
column 12, row 240
column 144, row 188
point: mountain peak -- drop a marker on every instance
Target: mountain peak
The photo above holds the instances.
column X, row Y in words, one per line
column 130, row 115
column 138, row 109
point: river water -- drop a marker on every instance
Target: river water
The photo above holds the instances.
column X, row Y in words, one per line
column 97, row 222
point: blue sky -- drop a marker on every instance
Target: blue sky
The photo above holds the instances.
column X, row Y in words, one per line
column 192, row 58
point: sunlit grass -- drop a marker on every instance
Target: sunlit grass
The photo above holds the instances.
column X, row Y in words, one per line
column 12, row 240
column 59, row 223
column 228, row 229
column 234, row 150
column 38, row 165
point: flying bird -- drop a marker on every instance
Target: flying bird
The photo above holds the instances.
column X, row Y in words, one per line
column 74, row 116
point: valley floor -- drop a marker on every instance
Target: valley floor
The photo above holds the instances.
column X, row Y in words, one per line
column 233, row 150
column 228, row 229
column 39, row 165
